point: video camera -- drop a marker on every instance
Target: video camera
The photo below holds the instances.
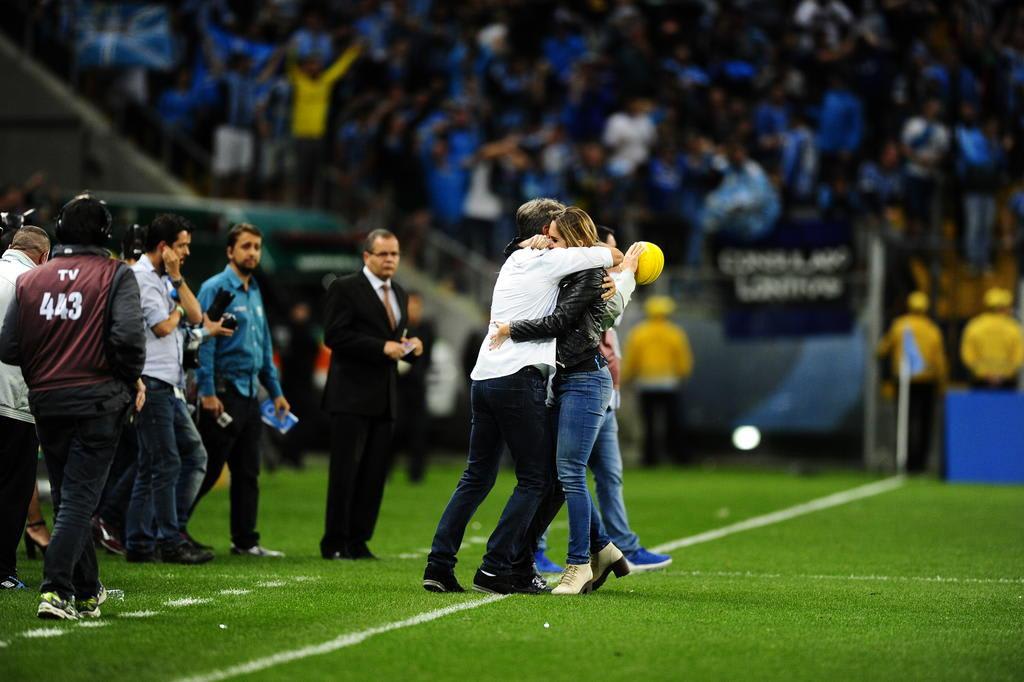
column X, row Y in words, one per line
column 218, row 308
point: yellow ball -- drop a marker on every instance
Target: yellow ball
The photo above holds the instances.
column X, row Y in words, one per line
column 652, row 262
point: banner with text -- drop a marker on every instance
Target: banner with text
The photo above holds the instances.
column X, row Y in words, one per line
column 793, row 282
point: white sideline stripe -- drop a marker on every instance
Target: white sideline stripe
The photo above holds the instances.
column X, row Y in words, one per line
column 93, row 623
column 827, row 502
column 187, row 601
column 351, row 639
column 271, row 583
column 39, row 633
column 137, row 614
column 880, row 578
column 235, row 591
column 339, row 642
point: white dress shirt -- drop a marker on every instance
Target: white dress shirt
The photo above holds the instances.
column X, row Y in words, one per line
column 527, row 288
column 376, row 282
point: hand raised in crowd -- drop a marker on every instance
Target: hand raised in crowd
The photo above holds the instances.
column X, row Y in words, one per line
column 498, row 337
column 540, row 241
column 172, row 262
column 631, row 261
column 609, row 288
column 394, row 350
column 216, row 328
column 140, row 395
column 281, row 406
column 212, row 404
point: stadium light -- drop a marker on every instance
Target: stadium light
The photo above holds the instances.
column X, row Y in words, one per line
column 746, row 437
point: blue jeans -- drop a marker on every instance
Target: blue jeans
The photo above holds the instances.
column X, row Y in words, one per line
column 172, row 465
column 979, row 219
column 582, row 399
column 606, row 463
column 512, row 410
column 78, row 453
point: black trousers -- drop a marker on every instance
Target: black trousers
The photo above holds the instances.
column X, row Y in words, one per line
column 18, row 447
column 920, row 417
column 412, row 429
column 360, row 459
column 118, row 491
column 237, row 445
column 78, row 453
column 660, row 411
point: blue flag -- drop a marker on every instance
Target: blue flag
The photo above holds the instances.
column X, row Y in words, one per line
column 912, row 354
column 109, row 34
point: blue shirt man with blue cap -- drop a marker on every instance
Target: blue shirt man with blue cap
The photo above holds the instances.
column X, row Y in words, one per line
column 230, row 373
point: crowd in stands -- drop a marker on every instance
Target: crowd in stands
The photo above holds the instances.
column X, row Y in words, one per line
column 681, row 118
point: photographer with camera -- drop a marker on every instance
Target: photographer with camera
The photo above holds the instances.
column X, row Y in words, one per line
column 229, row 376
column 75, row 328
column 172, row 460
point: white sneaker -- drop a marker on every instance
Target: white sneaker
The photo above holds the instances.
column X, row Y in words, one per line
column 576, row 579
column 605, row 562
column 257, row 550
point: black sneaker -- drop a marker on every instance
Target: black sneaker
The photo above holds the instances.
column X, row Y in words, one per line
column 504, row 584
column 440, row 580
column 184, row 554
column 135, row 557
column 532, row 584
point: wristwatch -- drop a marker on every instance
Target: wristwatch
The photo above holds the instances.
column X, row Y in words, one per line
column 176, row 283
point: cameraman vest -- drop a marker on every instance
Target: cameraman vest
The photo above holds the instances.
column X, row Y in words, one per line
column 63, row 311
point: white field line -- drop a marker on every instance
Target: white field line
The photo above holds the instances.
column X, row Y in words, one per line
column 339, row 642
column 187, row 601
column 137, row 614
column 351, row 639
column 93, row 623
column 235, row 592
column 42, row 633
column 854, row 578
column 827, row 502
column 271, row 583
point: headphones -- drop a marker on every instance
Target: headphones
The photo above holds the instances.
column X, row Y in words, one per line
column 85, row 196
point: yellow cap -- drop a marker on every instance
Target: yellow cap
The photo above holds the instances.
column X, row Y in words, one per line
column 660, row 306
column 917, row 302
column 997, row 297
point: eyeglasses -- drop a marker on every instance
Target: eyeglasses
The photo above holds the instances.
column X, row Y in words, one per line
column 385, row 254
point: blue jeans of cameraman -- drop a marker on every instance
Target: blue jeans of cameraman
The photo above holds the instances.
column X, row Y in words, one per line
column 172, row 465
column 582, row 399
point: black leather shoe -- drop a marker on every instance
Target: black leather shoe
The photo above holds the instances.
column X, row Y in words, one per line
column 360, row 551
column 502, row 584
column 184, row 554
column 134, row 557
column 336, row 556
column 440, row 580
column 193, row 543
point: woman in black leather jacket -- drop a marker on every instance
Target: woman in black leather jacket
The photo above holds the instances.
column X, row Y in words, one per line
column 582, row 389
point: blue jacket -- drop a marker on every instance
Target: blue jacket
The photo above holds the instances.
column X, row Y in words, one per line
column 245, row 359
column 841, row 125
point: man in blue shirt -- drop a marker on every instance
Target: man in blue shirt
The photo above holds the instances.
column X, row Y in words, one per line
column 229, row 376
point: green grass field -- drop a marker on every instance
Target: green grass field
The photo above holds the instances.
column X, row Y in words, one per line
column 922, row 582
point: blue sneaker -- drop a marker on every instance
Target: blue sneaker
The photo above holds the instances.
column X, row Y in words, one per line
column 642, row 560
column 544, row 564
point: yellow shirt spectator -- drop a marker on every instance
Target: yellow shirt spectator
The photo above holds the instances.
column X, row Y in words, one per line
column 992, row 347
column 312, row 94
column 657, row 354
column 929, row 341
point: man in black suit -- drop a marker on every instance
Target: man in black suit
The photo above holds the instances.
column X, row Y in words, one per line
column 364, row 326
